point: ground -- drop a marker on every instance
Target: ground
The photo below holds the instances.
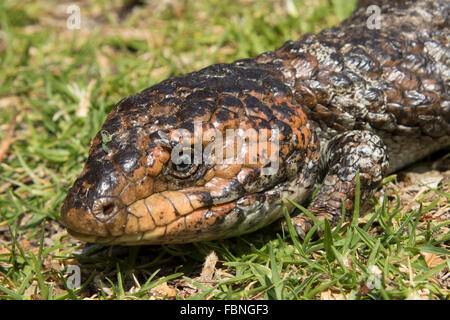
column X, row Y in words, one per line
column 56, row 87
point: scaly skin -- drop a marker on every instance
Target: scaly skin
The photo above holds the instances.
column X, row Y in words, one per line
column 344, row 100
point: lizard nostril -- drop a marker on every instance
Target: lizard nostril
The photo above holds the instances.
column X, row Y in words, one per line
column 105, row 208
column 108, row 209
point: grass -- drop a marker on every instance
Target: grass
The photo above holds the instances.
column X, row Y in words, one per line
column 56, row 88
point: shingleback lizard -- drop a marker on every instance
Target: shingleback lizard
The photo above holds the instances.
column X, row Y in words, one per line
column 349, row 99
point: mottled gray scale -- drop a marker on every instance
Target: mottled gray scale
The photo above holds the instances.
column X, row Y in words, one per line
column 380, row 86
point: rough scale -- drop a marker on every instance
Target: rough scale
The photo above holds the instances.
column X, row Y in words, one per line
column 346, row 99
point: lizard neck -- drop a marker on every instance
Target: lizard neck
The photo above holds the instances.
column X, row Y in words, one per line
column 392, row 81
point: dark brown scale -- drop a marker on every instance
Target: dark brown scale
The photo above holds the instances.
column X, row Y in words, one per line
column 348, row 99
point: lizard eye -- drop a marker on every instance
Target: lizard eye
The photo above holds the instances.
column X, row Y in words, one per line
column 183, row 166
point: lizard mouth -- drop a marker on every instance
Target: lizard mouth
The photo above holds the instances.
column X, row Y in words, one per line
column 139, row 226
column 175, row 217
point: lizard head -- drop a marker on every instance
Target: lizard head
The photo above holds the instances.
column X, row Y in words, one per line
column 186, row 161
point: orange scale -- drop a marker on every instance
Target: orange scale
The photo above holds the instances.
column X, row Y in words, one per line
column 160, row 185
column 117, row 225
column 128, row 194
column 144, row 187
column 137, row 174
column 155, row 168
column 132, row 225
column 221, row 210
column 161, row 154
column 176, row 227
column 141, row 212
column 197, row 221
column 301, row 116
column 155, row 234
column 160, row 209
column 195, row 200
column 179, row 201
column 227, row 171
column 258, row 95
